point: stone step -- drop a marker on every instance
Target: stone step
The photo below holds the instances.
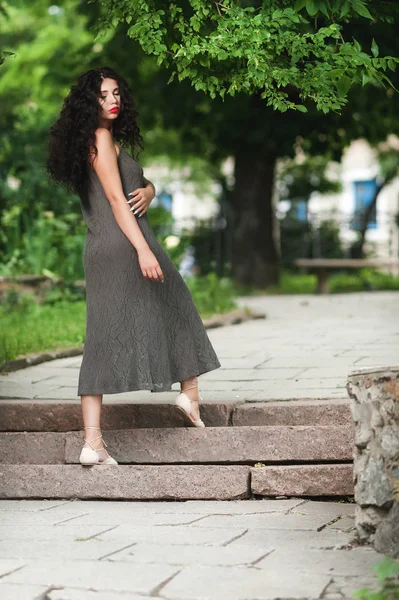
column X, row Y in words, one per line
column 212, row 445
column 18, row 415
column 177, row 482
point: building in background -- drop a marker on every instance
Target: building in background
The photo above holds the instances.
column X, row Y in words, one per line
column 359, row 173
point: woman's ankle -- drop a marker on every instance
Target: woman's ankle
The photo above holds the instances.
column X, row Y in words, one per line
column 190, row 387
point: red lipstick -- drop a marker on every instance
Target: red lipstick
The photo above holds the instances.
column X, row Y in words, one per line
column 114, row 110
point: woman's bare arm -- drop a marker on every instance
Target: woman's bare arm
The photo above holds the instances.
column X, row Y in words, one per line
column 150, row 186
column 106, row 166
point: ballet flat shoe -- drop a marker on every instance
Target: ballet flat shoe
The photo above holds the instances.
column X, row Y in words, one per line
column 183, row 404
column 90, row 457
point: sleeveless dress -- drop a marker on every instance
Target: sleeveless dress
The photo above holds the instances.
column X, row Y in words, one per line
column 140, row 334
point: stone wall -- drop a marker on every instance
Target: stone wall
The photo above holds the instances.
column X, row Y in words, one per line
column 374, row 401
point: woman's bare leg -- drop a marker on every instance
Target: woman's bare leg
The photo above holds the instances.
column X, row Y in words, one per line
column 190, row 387
column 91, row 410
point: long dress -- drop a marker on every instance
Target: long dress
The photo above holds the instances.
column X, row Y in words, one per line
column 140, row 334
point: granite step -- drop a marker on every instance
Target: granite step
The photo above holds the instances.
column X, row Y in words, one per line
column 173, row 482
column 19, row 415
column 182, row 445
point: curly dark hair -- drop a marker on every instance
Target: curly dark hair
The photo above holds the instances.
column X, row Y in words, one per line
column 72, row 135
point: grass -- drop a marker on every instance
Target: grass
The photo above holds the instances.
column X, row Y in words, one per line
column 36, row 328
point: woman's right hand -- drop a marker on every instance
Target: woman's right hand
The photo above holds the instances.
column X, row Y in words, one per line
column 149, row 265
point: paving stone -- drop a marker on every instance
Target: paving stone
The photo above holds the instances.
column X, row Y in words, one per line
column 50, row 533
column 100, row 575
column 303, row 480
column 139, row 519
column 9, row 565
column 60, row 547
column 61, row 392
column 349, row 585
column 15, row 390
column 294, row 539
column 130, row 481
column 181, row 556
column 19, row 591
column 328, row 510
column 328, row 562
column 74, row 594
column 249, row 375
column 278, row 521
column 94, row 512
column 345, row 524
column 17, row 506
column 282, row 393
column 176, row 535
column 43, row 517
column 232, row 584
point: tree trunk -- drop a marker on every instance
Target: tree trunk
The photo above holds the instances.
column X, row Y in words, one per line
column 255, row 255
column 357, row 247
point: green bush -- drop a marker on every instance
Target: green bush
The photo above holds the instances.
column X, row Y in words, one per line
column 345, row 282
column 47, row 243
column 379, row 281
column 212, row 294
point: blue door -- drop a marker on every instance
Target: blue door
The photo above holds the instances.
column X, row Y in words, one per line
column 364, row 194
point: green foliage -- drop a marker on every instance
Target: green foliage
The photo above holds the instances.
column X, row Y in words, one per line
column 388, row 578
column 232, row 46
column 376, row 280
column 340, row 283
column 292, row 283
column 31, row 92
column 45, row 243
column 388, row 159
column 212, row 294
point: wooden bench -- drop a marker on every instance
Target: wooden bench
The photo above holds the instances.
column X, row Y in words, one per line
column 322, row 267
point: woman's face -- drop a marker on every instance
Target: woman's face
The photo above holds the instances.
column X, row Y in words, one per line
column 109, row 99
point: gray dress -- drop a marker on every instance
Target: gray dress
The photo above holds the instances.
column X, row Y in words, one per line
column 140, row 334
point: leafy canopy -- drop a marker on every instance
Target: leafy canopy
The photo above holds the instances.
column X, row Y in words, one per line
column 287, row 52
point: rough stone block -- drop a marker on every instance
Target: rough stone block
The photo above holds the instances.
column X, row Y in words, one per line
column 32, row 448
column 223, row 444
column 386, row 538
column 296, row 412
column 130, row 482
column 303, row 480
column 67, row 416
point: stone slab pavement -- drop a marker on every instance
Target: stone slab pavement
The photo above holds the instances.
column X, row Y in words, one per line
column 303, row 349
column 236, row 550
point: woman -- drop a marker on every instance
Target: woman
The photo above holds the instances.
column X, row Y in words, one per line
column 143, row 331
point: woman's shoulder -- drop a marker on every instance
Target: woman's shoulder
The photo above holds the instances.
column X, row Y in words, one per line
column 102, row 139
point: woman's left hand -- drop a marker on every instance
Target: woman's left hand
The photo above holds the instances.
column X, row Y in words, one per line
column 141, row 200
